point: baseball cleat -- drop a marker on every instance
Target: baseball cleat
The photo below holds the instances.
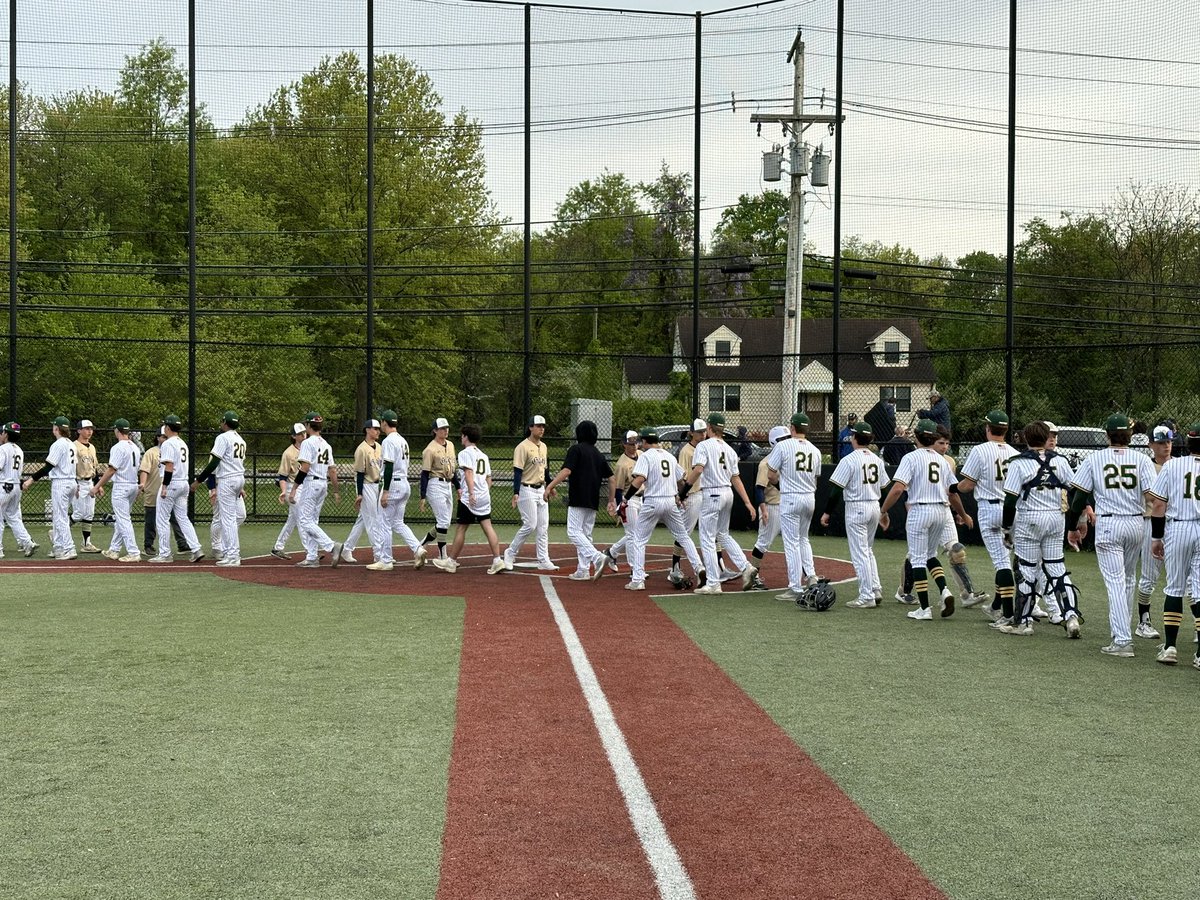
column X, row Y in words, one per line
column 89, row 547
column 598, row 568
column 906, row 599
column 789, row 595
column 1124, row 649
column 383, row 566
column 921, row 615
column 29, row 550
column 712, row 587
column 749, row 574
column 579, row 576
column 636, row 586
column 160, row 559
column 308, row 564
column 130, row 558
column 862, row 603
column 335, row 555
column 975, row 598
column 610, row 560
column 110, row 554
column 994, row 613
column 197, row 555
column 1038, row 611
column 229, row 562
column 1072, row 626
column 446, row 565
column 279, row 554
column 419, row 559
column 1168, row 656
column 546, row 566
column 756, row 583
column 1022, row 630
column 726, row 575
column 1146, row 630
column 947, row 605
column 496, row 567
column 348, row 556
column 216, row 555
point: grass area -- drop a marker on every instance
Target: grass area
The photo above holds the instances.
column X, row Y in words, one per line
column 184, row 736
column 1007, row 767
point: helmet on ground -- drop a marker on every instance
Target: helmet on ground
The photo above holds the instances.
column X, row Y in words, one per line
column 819, row 597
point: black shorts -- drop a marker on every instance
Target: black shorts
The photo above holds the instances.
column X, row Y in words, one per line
column 466, row 517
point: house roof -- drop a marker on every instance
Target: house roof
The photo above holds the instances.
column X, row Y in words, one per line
column 762, row 347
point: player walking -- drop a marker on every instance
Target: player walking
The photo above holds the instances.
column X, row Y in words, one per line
column 530, row 472
column 931, row 485
column 174, row 462
column 150, row 481
column 1033, row 489
column 715, row 466
column 1175, row 532
column 1117, row 481
column 12, row 462
column 655, row 477
column 955, row 549
column 124, row 458
column 438, row 463
column 623, row 503
column 60, row 466
column 1161, row 439
column 474, row 502
column 289, row 467
column 394, row 499
column 317, row 474
column 766, row 501
column 795, row 463
column 83, row 501
column 584, row 468
column 858, row 480
column 691, row 502
column 228, row 460
column 368, row 468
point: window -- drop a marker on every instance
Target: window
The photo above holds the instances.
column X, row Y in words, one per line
column 902, row 395
column 891, row 352
column 723, row 350
column 724, row 398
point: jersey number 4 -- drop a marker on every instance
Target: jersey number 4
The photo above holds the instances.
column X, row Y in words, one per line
column 323, row 457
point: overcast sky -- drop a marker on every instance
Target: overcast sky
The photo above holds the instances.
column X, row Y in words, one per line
column 1109, row 93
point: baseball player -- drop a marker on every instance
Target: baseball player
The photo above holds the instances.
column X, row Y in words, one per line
column 1175, row 534
column 319, row 472
column 929, row 481
column 655, row 477
column 174, row 461
column 124, row 458
column 60, row 466
column 693, row 501
column 83, row 501
column 1041, row 588
column 438, row 464
column 150, row 481
column 394, row 498
column 1117, row 483
column 1033, row 489
column 766, row 501
column 715, row 466
column 1162, row 437
column 368, row 469
column 289, row 467
column 474, row 502
column 530, row 472
column 12, row 462
column 795, row 463
column 227, row 460
column 858, row 481
column 584, row 468
column 955, row 549
column 983, row 473
column 622, row 503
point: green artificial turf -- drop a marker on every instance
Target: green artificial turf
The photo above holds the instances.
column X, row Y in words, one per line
column 180, row 735
column 1007, row 767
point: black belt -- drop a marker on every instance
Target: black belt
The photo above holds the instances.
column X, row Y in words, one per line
column 930, row 503
column 991, row 501
column 542, row 485
column 1110, row 515
column 1185, row 520
column 438, row 478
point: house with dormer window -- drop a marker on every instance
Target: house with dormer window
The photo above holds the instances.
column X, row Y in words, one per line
column 742, row 368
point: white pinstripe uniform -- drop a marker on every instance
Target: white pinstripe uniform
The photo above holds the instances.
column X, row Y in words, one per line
column 768, row 523
column 174, row 451
column 315, row 451
column 1039, row 526
column 61, row 458
column 230, row 448
column 660, row 504
column 12, row 464
column 986, row 466
column 798, row 462
column 860, row 475
column 124, row 457
column 395, row 451
column 1119, row 479
column 1152, row 569
column 720, row 464
column 927, row 476
column 1179, row 485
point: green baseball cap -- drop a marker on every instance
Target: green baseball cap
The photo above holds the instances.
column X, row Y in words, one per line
column 863, row 429
column 121, row 424
column 926, row 426
column 1194, row 430
column 61, row 422
column 996, row 417
column 1117, row 422
column 230, row 418
column 389, row 416
column 800, row 422
column 12, row 428
column 173, row 421
column 716, row 419
column 313, row 418
column 649, row 435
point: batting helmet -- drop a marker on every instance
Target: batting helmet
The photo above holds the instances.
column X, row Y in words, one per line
column 819, row 597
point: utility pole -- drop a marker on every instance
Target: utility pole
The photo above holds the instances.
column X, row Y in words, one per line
column 793, row 125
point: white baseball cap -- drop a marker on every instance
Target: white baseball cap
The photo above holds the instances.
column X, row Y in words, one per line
column 699, row 425
column 631, row 437
column 298, row 428
column 777, row 434
column 162, row 430
column 371, row 423
column 440, row 423
column 1051, row 427
column 1161, row 434
column 86, row 423
column 537, row 420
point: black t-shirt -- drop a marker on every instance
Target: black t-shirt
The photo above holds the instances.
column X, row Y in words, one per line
column 588, row 468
